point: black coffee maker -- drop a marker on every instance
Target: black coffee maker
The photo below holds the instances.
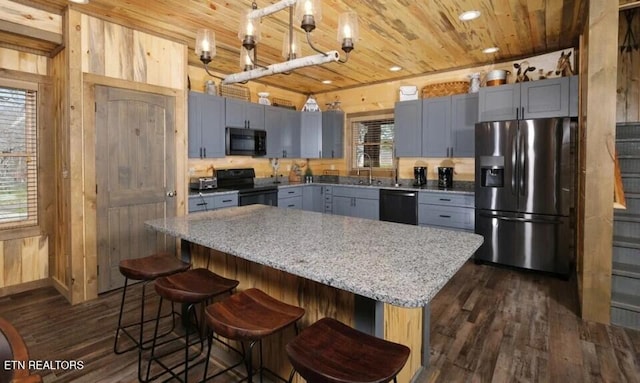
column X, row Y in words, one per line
column 420, row 175
column 445, row 177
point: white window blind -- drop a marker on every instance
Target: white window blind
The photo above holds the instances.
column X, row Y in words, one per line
column 372, row 140
column 18, row 158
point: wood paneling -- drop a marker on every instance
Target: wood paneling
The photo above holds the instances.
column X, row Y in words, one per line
column 23, row 62
column 23, row 260
column 422, row 37
column 599, row 149
column 628, row 90
column 115, row 51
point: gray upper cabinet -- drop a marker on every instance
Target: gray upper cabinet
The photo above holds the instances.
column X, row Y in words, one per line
column 206, row 126
column 408, row 128
column 526, row 100
column 290, row 134
column 243, row 114
column 332, row 134
column 463, row 123
column 283, row 132
column 436, row 126
column 310, row 134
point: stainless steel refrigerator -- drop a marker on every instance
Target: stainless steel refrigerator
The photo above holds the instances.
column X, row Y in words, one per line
column 525, row 181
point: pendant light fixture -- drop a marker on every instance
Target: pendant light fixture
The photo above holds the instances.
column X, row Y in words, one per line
column 308, row 13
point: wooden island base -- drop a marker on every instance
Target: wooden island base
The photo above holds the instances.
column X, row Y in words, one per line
column 397, row 324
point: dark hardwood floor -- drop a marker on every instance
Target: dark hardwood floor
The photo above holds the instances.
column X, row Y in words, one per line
column 488, row 325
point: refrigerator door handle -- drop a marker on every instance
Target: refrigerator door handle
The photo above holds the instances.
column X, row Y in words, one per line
column 525, row 220
column 514, row 163
column 523, row 164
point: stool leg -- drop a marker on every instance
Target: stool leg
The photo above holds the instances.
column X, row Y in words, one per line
column 292, row 374
column 115, row 342
column 153, row 346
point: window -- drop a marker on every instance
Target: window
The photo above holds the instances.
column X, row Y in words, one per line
column 18, row 158
column 372, row 141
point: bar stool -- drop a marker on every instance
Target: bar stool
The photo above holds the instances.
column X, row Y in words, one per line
column 248, row 316
column 145, row 269
column 329, row 351
column 188, row 288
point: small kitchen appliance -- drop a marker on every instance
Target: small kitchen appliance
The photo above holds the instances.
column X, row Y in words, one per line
column 420, row 175
column 203, row 183
column 445, row 177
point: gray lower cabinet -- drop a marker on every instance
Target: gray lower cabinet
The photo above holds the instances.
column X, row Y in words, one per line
column 310, row 134
column 212, row 202
column 244, row 114
column 332, row 134
column 528, row 100
column 313, row 198
column 447, row 210
column 408, row 128
column 206, row 126
column 290, row 197
column 356, row 202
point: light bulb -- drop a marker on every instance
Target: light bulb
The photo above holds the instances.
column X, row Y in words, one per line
column 346, row 31
column 249, row 28
column 308, row 7
column 205, row 46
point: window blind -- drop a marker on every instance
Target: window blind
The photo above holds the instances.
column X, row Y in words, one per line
column 372, row 141
column 18, row 158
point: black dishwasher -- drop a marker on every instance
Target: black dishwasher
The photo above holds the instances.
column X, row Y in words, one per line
column 399, row 206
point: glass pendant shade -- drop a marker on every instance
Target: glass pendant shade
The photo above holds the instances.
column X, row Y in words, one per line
column 290, row 50
column 348, row 30
column 249, row 32
column 246, row 62
column 308, row 8
column 348, row 26
column 206, row 43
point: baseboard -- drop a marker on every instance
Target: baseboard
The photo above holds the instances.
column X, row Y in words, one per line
column 26, row 286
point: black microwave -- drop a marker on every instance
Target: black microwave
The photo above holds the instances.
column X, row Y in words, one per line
column 246, row 142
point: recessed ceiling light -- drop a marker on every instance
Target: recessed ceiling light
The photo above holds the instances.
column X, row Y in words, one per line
column 395, row 68
column 469, row 15
column 327, row 81
column 490, row 50
column 80, row 1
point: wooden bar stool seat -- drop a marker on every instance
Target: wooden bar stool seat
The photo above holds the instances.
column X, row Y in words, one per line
column 329, row 351
column 13, row 348
column 250, row 315
column 189, row 288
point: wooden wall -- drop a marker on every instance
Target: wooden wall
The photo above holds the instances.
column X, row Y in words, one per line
column 22, row 61
column 598, row 147
column 628, row 90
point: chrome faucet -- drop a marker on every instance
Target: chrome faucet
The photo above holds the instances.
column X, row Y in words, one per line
column 370, row 168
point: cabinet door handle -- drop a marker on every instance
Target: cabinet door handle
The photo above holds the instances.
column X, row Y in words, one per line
column 204, row 150
column 332, row 155
column 522, row 113
column 249, row 124
column 444, row 216
column 452, row 152
column 320, row 154
column 291, row 192
column 518, row 113
column 201, row 152
column 445, row 199
column 291, row 205
column 226, row 200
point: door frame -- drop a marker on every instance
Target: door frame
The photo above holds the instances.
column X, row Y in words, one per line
column 83, row 267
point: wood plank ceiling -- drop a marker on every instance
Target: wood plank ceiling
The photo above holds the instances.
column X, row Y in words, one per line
column 420, row 36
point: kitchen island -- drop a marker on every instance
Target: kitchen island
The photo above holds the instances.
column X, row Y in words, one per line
column 376, row 276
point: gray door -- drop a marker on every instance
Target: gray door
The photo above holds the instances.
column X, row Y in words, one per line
column 499, row 103
column 436, row 126
column 135, row 172
column 496, row 144
column 545, row 166
column 464, row 115
column 543, row 99
column 408, row 128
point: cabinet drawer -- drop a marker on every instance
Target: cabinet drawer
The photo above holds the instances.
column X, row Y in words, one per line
column 290, row 192
column 197, row 203
column 446, row 216
column 227, row 200
column 357, row 192
column 290, row 202
column 448, row 199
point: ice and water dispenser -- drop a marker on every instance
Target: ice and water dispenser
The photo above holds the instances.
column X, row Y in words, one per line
column 492, row 171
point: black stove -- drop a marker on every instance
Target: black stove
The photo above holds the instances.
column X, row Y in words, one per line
column 243, row 180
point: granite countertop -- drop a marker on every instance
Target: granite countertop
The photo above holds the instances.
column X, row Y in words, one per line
column 403, row 265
